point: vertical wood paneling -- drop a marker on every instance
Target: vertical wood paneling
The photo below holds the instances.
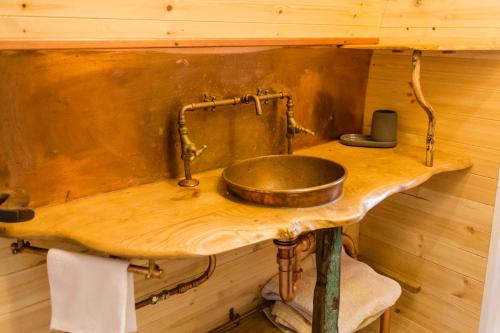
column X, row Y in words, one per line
column 438, row 234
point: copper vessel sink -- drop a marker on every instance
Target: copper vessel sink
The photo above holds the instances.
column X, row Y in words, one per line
column 286, row 180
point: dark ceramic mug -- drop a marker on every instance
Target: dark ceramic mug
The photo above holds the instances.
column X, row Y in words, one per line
column 384, row 126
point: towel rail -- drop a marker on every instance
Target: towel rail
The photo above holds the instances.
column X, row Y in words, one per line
column 152, row 271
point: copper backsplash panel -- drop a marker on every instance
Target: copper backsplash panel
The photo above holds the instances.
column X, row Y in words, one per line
column 75, row 123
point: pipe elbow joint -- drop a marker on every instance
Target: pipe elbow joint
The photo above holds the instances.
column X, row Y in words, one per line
column 256, row 100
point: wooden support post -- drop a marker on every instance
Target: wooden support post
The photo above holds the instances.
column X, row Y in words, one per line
column 327, row 290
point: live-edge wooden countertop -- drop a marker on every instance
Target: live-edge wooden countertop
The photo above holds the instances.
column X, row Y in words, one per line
column 161, row 219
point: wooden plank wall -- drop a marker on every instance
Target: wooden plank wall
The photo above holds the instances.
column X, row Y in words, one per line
column 106, row 120
column 438, row 234
column 236, row 283
column 428, row 24
column 441, row 24
column 188, row 19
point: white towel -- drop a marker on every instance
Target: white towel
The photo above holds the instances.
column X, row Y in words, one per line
column 90, row 294
column 364, row 295
column 287, row 319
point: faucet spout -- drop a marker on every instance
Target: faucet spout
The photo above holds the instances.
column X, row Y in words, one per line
column 256, row 99
column 292, row 127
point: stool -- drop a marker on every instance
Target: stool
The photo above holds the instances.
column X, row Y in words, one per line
column 385, row 318
column 364, row 296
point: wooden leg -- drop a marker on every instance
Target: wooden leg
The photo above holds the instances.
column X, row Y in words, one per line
column 385, row 321
column 327, row 290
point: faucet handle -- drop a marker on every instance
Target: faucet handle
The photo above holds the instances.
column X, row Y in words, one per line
column 196, row 152
column 189, row 150
column 306, row 130
column 296, row 129
column 201, row 150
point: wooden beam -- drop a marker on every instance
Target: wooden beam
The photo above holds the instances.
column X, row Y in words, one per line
column 20, row 44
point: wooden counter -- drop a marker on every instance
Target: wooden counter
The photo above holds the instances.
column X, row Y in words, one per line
column 162, row 219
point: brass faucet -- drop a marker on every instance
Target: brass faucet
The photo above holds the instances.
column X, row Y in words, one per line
column 292, row 127
column 189, row 151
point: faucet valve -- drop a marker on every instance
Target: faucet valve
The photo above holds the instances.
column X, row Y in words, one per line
column 189, row 152
column 264, row 93
column 295, row 128
column 210, row 98
column 194, row 152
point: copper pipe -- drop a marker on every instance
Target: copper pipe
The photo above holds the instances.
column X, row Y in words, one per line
column 349, row 246
column 289, row 261
column 153, row 271
column 189, row 151
column 305, row 244
column 285, row 259
column 431, row 115
column 180, row 288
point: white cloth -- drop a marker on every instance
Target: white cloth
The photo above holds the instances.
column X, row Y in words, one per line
column 364, row 295
column 287, row 319
column 90, row 294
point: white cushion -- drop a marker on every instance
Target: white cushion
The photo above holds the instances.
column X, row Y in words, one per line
column 364, row 296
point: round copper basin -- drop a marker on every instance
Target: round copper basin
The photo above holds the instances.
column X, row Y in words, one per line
column 286, row 180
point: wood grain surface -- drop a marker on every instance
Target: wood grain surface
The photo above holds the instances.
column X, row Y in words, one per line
column 162, row 219
column 437, row 235
column 174, row 23
column 36, row 44
column 423, row 24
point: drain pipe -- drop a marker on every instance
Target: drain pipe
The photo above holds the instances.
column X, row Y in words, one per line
column 431, row 115
column 285, row 261
column 289, row 259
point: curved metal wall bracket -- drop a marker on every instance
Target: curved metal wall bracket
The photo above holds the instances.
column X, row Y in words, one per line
column 417, row 90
